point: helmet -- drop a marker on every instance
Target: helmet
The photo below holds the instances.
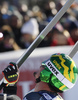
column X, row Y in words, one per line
column 60, row 71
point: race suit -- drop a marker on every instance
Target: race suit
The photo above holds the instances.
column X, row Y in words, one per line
column 42, row 95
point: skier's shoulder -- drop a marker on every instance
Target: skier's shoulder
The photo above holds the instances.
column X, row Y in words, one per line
column 42, row 95
column 32, row 96
column 50, row 95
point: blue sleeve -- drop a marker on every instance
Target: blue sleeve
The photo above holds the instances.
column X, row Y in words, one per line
column 33, row 96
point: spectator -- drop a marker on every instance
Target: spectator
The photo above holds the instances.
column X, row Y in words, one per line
column 8, row 43
column 13, row 22
column 60, row 36
column 57, row 36
column 69, row 39
column 1, row 20
column 29, row 32
column 73, row 30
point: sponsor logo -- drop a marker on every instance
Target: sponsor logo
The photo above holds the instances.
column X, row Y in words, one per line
column 11, row 76
column 52, row 68
column 56, row 63
column 47, row 97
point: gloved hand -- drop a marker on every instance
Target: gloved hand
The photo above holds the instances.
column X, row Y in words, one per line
column 11, row 76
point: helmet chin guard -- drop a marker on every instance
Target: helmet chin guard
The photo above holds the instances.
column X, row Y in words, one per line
column 60, row 71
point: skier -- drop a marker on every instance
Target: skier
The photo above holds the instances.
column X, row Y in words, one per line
column 56, row 75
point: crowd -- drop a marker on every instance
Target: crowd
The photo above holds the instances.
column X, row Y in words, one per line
column 21, row 24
